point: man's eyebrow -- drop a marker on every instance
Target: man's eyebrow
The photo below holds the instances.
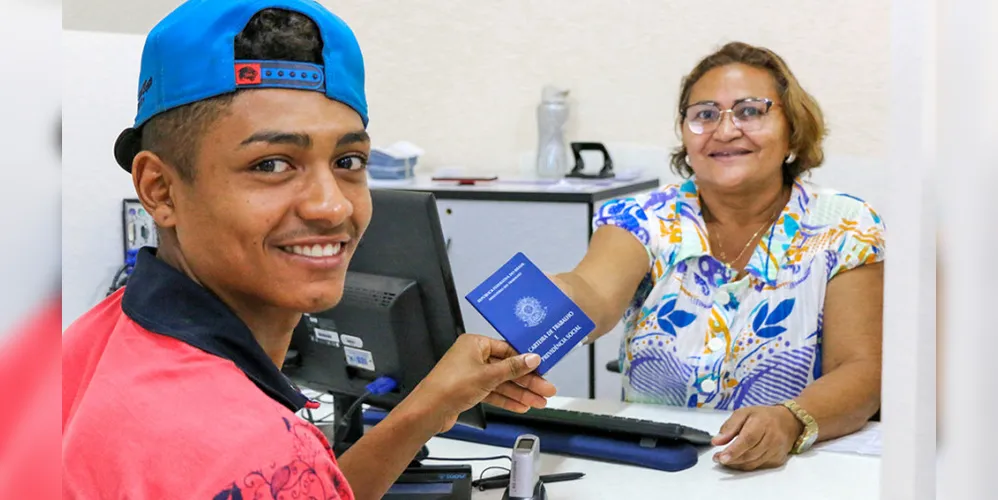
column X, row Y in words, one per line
column 353, row 138
column 276, row 137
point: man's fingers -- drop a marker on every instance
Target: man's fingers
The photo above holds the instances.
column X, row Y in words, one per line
column 497, row 348
column 533, row 382
column 537, row 384
column 514, row 367
column 522, row 395
column 731, row 428
column 496, row 399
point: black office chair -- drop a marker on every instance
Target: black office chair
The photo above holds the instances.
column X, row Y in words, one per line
column 614, row 367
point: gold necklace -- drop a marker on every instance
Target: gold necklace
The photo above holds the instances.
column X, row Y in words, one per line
column 720, row 246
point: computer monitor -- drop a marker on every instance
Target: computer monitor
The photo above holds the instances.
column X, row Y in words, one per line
column 398, row 316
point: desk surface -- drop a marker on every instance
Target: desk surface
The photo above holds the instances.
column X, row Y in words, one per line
column 526, row 189
column 814, row 475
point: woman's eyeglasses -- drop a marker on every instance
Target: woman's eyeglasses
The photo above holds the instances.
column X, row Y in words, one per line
column 747, row 115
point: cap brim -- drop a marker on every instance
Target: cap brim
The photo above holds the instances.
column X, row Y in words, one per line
column 126, row 147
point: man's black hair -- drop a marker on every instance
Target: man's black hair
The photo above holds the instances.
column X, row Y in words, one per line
column 272, row 34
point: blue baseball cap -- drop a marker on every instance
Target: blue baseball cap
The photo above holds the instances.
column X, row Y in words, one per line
column 190, row 56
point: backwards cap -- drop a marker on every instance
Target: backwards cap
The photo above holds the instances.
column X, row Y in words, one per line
column 190, row 56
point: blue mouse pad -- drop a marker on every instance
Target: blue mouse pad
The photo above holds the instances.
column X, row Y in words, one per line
column 669, row 456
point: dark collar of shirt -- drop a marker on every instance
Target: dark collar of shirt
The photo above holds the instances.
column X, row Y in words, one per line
column 163, row 300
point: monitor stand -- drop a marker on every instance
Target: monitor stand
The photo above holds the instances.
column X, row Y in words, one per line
column 355, row 429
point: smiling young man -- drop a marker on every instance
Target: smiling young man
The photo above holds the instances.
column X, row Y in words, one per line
column 248, row 150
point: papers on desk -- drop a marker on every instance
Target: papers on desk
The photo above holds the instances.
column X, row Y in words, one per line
column 866, row 441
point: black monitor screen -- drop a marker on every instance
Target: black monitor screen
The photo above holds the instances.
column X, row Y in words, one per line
column 399, row 313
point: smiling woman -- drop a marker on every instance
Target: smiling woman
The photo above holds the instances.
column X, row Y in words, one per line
column 745, row 288
column 805, row 126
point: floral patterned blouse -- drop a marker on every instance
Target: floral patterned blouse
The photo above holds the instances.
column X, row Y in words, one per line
column 697, row 337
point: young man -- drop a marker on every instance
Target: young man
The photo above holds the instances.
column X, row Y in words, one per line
column 248, row 151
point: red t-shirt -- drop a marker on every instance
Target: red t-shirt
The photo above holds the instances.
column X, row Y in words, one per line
column 166, row 394
column 29, row 378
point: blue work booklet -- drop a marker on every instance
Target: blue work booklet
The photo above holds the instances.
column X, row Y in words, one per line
column 531, row 312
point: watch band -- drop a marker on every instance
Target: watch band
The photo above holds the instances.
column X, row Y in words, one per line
column 810, row 433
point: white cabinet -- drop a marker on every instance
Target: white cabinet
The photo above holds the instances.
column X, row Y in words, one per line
column 485, row 225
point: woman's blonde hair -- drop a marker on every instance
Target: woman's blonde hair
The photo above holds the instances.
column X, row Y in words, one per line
column 807, row 125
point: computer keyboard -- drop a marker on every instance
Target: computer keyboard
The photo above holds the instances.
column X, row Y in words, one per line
column 598, row 425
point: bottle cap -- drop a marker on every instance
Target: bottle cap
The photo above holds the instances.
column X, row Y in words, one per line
column 553, row 94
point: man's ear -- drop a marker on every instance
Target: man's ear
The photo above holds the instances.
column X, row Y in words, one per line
column 155, row 184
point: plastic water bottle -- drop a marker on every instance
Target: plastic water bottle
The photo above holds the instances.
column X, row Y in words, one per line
column 552, row 152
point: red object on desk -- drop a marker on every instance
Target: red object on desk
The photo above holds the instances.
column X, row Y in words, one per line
column 466, row 181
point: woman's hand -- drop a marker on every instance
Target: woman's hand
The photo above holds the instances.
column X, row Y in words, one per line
column 765, row 436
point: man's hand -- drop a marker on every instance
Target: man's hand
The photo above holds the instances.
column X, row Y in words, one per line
column 480, row 369
column 475, row 369
column 766, row 434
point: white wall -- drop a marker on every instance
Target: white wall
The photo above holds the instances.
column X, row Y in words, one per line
column 466, row 88
column 462, row 78
column 29, row 196
column 99, row 86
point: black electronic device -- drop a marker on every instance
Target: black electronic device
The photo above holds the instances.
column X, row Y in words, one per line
column 398, row 316
column 138, row 230
column 620, row 428
column 579, row 170
column 432, row 482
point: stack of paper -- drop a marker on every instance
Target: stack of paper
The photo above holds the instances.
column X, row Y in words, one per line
column 866, row 441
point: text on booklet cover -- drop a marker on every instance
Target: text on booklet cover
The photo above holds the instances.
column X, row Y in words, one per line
column 531, row 312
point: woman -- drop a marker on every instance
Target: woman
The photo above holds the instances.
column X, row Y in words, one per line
column 744, row 288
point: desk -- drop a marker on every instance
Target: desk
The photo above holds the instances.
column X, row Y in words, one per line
column 814, row 475
column 550, row 222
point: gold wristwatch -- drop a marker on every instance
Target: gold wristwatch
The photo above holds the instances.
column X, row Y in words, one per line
column 810, row 434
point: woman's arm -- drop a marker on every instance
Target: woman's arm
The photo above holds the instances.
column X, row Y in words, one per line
column 848, row 392
column 606, row 280
column 843, row 399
